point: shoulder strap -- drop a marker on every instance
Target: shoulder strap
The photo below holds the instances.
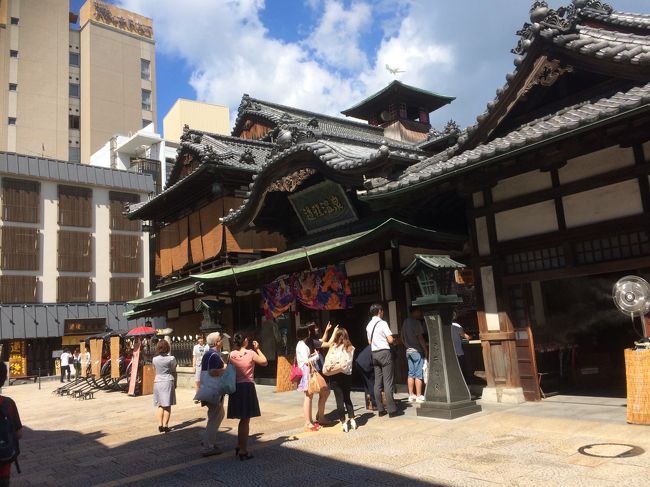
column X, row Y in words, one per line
column 373, row 331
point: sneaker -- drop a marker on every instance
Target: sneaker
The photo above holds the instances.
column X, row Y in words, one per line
column 420, row 399
column 412, row 398
column 211, row 450
column 353, row 424
column 395, row 414
column 345, row 427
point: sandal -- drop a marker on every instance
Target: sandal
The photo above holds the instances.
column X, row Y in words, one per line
column 312, row 427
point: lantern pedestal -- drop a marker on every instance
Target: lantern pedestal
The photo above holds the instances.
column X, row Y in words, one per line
column 447, row 395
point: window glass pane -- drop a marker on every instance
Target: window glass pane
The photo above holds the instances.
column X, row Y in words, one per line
column 146, row 100
column 74, row 90
column 11, row 121
column 14, row 20
column 74, row 154
column 145, row 67
column 13, row 86
column 75, row 122
column 74, row 59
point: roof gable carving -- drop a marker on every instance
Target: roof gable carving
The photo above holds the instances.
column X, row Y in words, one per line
column 587, row 35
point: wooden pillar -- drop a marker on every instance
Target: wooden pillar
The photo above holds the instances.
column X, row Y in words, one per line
column 496, row 331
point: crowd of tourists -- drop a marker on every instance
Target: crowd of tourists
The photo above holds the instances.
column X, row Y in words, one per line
column 324, row 363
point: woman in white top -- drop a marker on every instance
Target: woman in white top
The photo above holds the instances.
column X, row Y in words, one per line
column 338, row 366
column 305, row 355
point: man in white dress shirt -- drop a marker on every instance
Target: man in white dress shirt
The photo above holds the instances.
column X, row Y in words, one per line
column 380, row 338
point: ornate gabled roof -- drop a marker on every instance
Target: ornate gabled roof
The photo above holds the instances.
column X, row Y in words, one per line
column 214, row 152
column 329, row 156
column 563, row 122
column 278, row 115
column 574, row 31
column 373, row 104
column 224, row 150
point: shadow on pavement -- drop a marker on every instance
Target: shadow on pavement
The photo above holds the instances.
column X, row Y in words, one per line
column 174, row 459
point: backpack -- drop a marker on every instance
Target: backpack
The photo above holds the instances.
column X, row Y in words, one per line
column 9, row 449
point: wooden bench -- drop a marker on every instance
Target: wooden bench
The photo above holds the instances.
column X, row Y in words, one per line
column 23, row 377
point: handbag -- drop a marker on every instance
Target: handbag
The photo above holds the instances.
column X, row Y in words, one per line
column 296, row 372
column 212, row 388
column 316, row 383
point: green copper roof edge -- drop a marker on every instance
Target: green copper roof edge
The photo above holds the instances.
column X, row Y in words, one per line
column 316, row 249
column 390, row 85
column 162, row 295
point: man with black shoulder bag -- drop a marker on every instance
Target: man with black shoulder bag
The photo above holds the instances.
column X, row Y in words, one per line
column 380, row 338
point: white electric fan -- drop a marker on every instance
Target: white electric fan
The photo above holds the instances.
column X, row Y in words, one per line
column 631, row 295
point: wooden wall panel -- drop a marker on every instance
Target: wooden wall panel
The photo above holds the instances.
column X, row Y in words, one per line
column 74, row 251
column 211, row 229
column 196, row 244
column 180, row 251
column 18, row 289
column 19, row 248
column 125, row 253
column 75, row 206
column 168, row 240
column 20, row 200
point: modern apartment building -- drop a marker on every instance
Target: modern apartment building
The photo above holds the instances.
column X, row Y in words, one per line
column 69, row 82
column 69, row 259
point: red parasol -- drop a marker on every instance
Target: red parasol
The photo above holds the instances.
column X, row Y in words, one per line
column 142, row 331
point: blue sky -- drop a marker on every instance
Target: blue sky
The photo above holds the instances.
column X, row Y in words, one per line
column 325, row 55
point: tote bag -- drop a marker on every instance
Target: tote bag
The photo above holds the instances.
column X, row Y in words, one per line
column 212, row 389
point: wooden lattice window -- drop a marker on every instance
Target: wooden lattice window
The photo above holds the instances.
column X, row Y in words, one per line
column 125, row 288
column 73, row 290
column 75, row 251
column 75, row 206
column 125, row 253
column 118, row 220
column 18, row 289
column 20, row 248
column 20, row 200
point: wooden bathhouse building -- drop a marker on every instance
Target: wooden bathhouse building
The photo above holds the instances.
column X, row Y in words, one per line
column 545, row 198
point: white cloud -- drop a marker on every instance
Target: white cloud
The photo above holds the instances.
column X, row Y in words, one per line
column 336, row 38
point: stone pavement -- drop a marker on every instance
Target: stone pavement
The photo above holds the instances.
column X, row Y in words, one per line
column 113, row 440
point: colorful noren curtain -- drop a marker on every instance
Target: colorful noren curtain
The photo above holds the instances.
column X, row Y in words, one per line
column 325, row 288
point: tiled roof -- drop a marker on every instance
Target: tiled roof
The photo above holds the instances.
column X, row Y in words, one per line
column 620, row 47
column 450, row 161
column 215, row 151
column 567, row 29
column 245, row 154
column 327, row 125
column 340, row 156
column 624, row 19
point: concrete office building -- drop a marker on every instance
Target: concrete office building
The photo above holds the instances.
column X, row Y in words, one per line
column 206, row 117
column 68, row 87
column 69, row 259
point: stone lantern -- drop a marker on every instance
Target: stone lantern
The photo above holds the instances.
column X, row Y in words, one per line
column 212, row 310
column 446, row 395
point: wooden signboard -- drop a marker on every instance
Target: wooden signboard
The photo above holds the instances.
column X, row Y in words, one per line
column 96, row 346
column 322, row 206
column 135, row 361
column 84, row 360
column 17, row 358
column 115, row 357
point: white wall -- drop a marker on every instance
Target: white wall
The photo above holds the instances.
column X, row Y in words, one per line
column 596, row 163
column 526, row 220
column 601, row 204
column 521, row 184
